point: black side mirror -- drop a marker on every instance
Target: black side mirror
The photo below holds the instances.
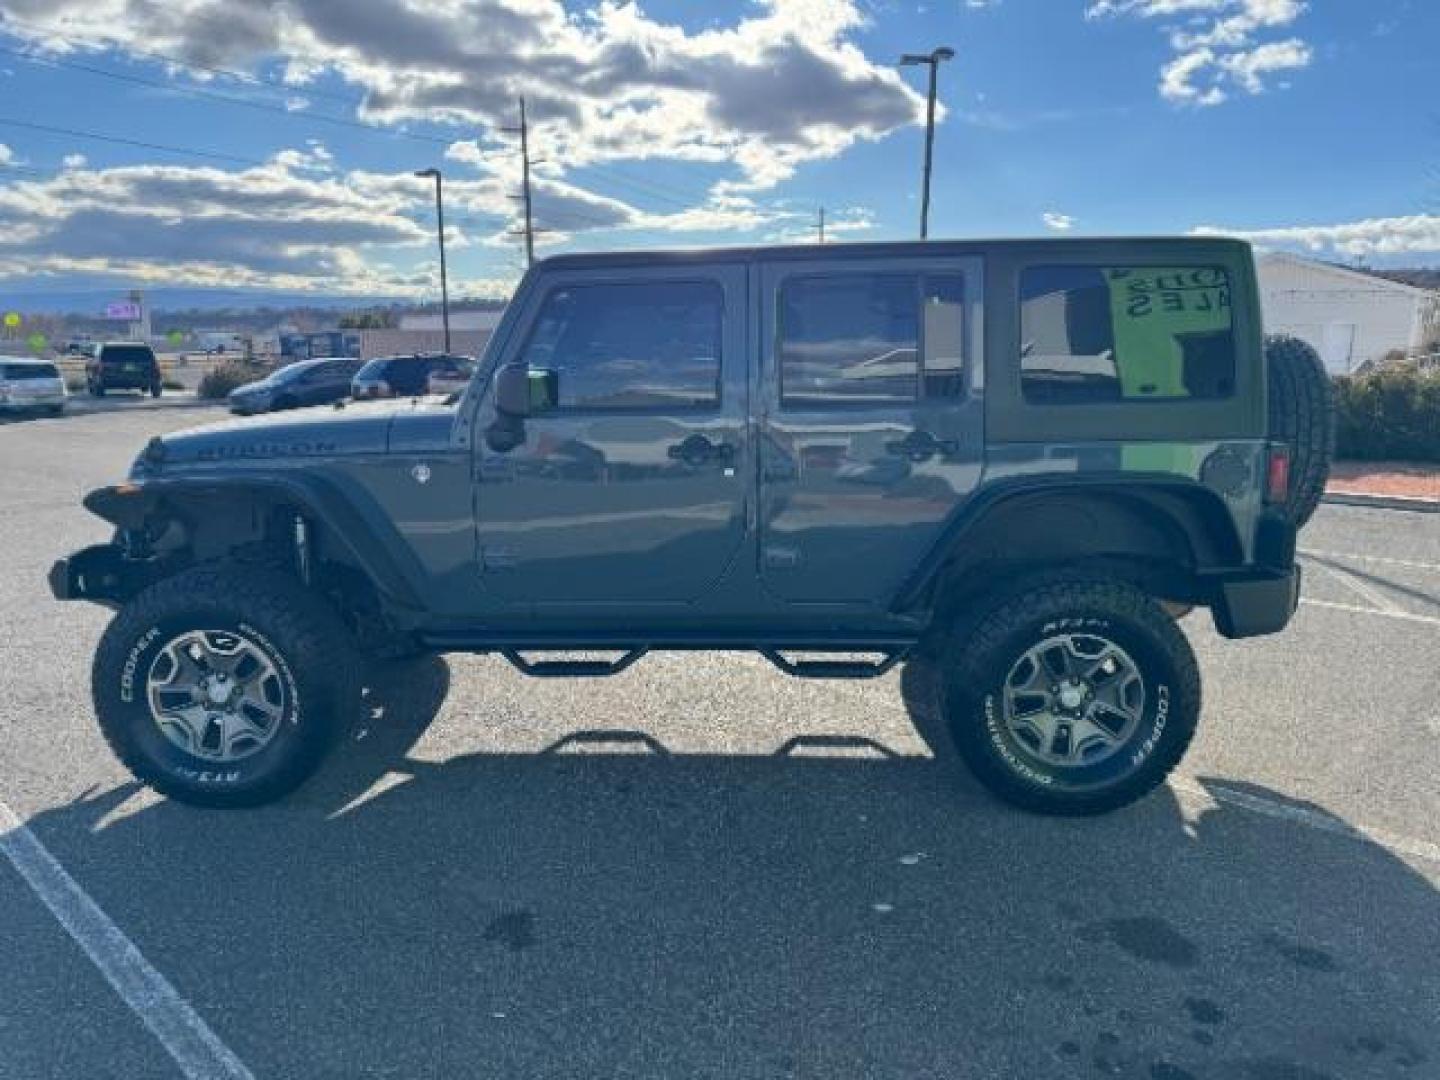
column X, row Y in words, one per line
column 512, row 391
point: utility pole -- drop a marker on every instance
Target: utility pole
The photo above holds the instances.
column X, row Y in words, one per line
column 819, row 226
column 524, row 132
column 933, row 60
column 426, row 174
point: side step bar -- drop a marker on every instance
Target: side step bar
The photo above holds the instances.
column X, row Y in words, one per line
column 571, row 669
column 885, row 657
column 834, row 669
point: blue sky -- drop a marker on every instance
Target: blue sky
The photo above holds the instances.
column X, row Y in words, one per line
column 1306, row 126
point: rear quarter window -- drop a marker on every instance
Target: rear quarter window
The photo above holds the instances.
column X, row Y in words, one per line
column 1094, row 334
column 21, row 372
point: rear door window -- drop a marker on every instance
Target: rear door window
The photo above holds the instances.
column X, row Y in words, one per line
column 870, row 339
column 1091, row 334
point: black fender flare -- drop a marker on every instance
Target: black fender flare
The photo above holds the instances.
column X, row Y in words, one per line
column 1154, row 491
column 369, row 539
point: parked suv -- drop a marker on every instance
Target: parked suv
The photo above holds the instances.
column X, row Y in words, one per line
column 407, row 376
column 1013, row 462
column 122, row 365
column 28, row 385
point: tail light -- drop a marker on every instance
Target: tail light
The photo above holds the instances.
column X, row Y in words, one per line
column 1277, row 474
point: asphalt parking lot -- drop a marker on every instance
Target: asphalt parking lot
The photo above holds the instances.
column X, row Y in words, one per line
column 701, row 868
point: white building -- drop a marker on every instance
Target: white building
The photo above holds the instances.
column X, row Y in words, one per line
column 1349, row 316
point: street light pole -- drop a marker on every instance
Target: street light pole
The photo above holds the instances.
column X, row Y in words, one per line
column 933, row 61
column 426, row 174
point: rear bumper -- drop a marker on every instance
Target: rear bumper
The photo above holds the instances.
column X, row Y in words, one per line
column 37, row 403
column 1256, row 604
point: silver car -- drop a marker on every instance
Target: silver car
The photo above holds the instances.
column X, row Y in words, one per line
column 31, row 386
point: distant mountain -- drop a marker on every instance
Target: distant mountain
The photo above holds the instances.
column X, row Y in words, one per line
column 92, row 302
column 1423, row 278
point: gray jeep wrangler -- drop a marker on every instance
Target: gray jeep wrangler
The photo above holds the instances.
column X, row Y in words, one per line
column 1016, row 461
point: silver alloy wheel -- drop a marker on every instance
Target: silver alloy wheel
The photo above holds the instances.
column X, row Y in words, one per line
column 1073, row 700
column 215, row 695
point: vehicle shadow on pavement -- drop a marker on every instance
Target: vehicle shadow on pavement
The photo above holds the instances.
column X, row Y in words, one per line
column 609, row 908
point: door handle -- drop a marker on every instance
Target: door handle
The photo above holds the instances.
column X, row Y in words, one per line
column 921, row 445
column 697, row 450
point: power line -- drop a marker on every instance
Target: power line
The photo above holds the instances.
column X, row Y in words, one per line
column 651, row 189
column 227, row 99
column 242, row 76
column 75, row 133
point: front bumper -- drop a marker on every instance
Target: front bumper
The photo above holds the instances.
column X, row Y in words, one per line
column 1256, row 604
column 100, row 574
column 249, row 406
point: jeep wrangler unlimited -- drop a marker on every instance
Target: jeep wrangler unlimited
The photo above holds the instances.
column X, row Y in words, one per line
column 1018, row 461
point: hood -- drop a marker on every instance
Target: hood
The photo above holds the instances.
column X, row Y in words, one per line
column 267, row 383
column 357, row 428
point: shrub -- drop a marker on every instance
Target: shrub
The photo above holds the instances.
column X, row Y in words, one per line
column 1389, row 414
column 171, row 384
column 220, row 380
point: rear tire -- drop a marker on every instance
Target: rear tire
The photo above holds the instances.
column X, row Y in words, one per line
column 167, row 660
column 1302, row 413
column 1070, row 695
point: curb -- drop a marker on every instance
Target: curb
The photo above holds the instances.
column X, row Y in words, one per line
column 178, row 399
column 1382, row 502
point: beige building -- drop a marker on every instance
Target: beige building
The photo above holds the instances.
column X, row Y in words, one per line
column 469, row 332
column 375, row 343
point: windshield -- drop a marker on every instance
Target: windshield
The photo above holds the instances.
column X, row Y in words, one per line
column 293, row 371
column 375, row 369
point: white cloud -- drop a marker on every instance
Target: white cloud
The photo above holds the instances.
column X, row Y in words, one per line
column 74, row 161
column 299, row 222
column 782, row 85
column 1217, row 44
column 279, row 225
column 1415, row 235
column 1057, row 221
column 6, row 154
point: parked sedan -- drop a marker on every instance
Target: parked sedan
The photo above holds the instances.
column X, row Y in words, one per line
column 407, row 376
column 305, row 382
column 30, row 386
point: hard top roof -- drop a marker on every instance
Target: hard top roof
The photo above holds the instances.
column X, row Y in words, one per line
column 1106, row 247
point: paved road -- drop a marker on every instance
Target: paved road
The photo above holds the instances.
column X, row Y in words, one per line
column 701, row 868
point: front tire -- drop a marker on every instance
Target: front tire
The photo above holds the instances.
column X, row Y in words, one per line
column 1071, row 696
column 223, row 685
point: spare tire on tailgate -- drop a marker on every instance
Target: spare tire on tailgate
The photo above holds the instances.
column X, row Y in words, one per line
column 1302, row 413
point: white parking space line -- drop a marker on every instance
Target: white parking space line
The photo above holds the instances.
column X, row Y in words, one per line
column 196, row 1049
column 1428, row 620
column 1411, row 564
column 1359, row 588
column 1299, row 815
